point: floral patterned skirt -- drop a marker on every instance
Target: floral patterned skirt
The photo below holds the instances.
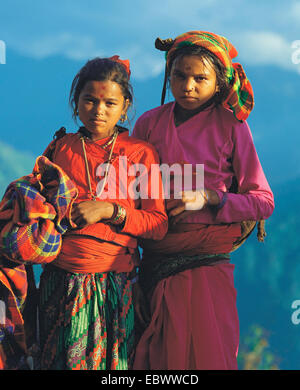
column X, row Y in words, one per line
column 86, row 320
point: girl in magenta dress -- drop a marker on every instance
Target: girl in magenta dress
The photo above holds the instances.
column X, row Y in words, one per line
column 187, row 277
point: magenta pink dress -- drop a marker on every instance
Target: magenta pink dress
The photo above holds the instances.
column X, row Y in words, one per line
column 194, row 322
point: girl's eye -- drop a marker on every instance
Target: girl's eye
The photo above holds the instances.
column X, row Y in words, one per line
column 199, row 79
column 179, row 76
column 88, row 100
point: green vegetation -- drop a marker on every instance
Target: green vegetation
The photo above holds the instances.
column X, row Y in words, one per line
column 255, row 352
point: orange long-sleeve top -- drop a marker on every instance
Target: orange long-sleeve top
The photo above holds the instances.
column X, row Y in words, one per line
column 134, row 182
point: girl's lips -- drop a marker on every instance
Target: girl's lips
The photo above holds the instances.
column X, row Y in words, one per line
column 97, row 121
column 188, row 98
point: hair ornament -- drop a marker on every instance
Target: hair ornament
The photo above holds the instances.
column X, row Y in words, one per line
column 164, row 44
column 125, row 63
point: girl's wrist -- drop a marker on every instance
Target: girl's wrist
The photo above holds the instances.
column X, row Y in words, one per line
column 212, row 198
column 215, row 198
column 108, row 211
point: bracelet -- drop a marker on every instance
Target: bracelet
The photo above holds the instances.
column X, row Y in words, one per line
column 223, row 201
column 115, row 213
column 119, row 215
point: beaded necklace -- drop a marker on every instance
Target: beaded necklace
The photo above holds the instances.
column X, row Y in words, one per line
column 112, row 141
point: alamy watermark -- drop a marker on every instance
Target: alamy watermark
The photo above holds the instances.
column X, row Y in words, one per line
column 296, row 52
column 296, row 314
column 2, row 52
column 2, row 312
column 124, row 180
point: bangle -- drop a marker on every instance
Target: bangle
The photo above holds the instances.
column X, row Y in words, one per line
column 115, row 212
column 119, row 215
column 223, row 201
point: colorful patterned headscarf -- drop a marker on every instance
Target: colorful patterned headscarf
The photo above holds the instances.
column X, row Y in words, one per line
column 240, row 98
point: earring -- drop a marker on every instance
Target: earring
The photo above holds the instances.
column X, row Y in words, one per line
column 123, row 118
column 75, row 112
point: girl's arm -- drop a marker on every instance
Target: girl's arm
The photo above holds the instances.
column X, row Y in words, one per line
column 255, row 199
column 150, row 220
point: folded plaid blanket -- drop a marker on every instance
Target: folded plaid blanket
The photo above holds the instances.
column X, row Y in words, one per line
column 34, row 214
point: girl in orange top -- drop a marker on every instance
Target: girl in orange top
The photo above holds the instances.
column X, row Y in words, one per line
column 86, row 312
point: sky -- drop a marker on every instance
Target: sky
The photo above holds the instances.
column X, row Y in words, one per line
column 264, row 31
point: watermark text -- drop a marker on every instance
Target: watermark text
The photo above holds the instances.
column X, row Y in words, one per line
column 296, row 52
column 2, row 52
column 2, row 312
column 124, row 180
column 296, row 314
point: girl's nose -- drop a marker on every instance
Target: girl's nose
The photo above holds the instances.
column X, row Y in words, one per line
column 99, row 108
column 188, row 84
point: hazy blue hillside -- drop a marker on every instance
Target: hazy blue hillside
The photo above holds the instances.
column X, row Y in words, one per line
column 267, row 277
column 13, row 164
column 275, row 121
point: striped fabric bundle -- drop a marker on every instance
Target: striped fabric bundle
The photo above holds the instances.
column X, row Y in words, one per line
column 240, row 99
column 34, row 213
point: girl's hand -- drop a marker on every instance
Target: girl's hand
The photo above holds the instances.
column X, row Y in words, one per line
column 90, row 212
column 191, row 201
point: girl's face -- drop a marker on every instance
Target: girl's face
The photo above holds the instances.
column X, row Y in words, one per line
column 100, row 106
column 193, row 81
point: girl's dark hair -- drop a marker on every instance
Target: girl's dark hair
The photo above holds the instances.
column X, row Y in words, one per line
column 204, row 54
column 100, row 69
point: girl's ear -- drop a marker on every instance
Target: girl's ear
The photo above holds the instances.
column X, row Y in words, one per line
column 126, row 106
column 123, row 117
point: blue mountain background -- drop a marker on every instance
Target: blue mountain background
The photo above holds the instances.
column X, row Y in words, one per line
column 34, row 104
